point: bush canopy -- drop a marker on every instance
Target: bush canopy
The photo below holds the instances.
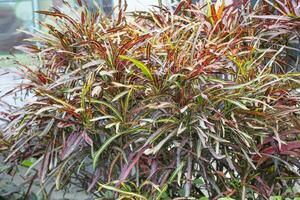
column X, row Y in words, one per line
column 181, row 102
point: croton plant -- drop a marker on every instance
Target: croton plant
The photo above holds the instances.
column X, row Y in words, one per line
column 183, row 102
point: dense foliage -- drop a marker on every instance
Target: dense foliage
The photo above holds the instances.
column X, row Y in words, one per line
column 200, row 100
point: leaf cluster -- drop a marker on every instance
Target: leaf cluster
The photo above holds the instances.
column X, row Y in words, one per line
column 188, row 102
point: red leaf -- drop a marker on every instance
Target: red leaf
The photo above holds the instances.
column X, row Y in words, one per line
column 128, row 167
column 95, row 179
column 72, row 143
column 285, row 148
column 87, row 138
column 79, row 3
column 44, row 166
column 283, row 135
column 82, row 18
column 130, row 44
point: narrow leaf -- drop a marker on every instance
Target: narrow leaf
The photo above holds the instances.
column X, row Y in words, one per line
column 140, row 65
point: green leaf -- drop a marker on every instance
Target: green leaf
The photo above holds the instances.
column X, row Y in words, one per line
column 126, row 103
column 108, row 142
column 171, row 179
column 58, row 180
column 111, row 188
column 120, row 95
column 198, row 181
column 276, row 198
column 209, row 11
column 111, row 107
column 140, row 65
column 103, row 118
column 239, row 104
column 103, row 147
column 204, row 198
column 28, row 162
column 226, row 198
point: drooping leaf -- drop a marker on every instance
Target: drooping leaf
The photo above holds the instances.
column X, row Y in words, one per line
column 140, row 65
